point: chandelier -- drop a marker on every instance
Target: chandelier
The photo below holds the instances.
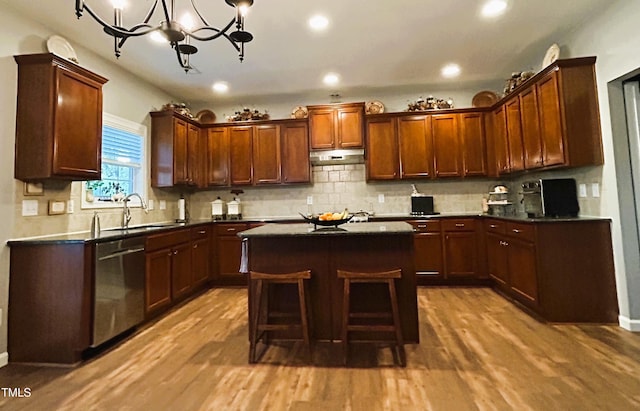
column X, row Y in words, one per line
column 179, row 35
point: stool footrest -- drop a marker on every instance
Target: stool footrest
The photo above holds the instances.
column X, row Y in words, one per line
column 369, row 327
column 279, row 327
column 370, row 315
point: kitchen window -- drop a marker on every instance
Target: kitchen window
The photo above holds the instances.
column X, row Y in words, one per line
column 123, row 165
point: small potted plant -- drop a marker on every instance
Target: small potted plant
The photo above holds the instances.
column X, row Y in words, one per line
column 91, row 188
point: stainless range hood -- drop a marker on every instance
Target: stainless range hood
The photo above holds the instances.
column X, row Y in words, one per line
column 333, row 157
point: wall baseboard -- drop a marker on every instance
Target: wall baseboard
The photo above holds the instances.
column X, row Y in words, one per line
column 4, row 359
column 629, row 324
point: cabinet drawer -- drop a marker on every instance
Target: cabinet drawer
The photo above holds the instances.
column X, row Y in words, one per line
column 495, row 226
column 425, row 226
column 200, row 232
column 230, row 229
column 167, row 240
column 459, row 224
column 520, row 230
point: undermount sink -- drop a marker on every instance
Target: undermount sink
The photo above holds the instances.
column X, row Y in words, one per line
column 151, row 226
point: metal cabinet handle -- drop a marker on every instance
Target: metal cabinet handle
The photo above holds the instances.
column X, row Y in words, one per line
column 231, row 229
column 515, row 230
column 202, row 232
column 422, row 226
column 195, row 246
column 460, row 225
column 493, row 225
column 175, row 252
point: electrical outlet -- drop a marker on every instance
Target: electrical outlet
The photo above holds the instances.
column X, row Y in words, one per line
column 381, row 198
column 309, row 200
column 29, row 208
column 582, row 189
column 163, row 205
column 595, row 190
column 150, row 205
column 70, row 206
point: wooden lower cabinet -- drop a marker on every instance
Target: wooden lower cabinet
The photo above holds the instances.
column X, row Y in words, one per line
column 228, row 253
column 460, row 248
column 427, row 249
column 200, row 255
column 180, row 270
column 158, row 280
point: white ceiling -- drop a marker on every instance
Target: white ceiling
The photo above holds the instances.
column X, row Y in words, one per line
column 370, row 43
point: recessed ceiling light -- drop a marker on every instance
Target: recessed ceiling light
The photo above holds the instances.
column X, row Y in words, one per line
column 220, row 87
column 450, row 70
column 318, row 22
column 331, row 79
column 494, row 8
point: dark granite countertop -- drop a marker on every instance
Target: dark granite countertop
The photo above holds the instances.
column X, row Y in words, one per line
column 305, row 229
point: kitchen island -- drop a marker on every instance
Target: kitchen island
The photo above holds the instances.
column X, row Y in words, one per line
column 366, row 247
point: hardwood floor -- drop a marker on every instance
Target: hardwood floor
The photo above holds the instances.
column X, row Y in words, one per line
column 477, row 352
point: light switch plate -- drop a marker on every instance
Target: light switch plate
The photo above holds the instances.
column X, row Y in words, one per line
column 150, row 205
column 309, row 200
column 163, row 205
column 29, row 208
column 595, row 190
column 381, row 198
column 582, row 190
column 70, row 206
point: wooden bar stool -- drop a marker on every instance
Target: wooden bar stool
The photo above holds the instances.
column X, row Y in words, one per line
column 262, row 314
column 389, row 278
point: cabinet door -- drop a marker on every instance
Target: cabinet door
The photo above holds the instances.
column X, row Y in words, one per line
column 77, row 141
column 350, row 127
column 531, row 139
column 240, row 141
column 497, row 259
column 200, row 261
column 501, row 146
column 266, row 154
column 474, row 152
column 322, row 128
column 446, row 145
column 229, row 254
column 522, row 270
column 181, row 270
column 461, row 259
column 416, row 146
column 382, row 149
column 296, row 167
column 158, row 279
column 180, row 152
column 427, row 248
column 514, row 135
column 218, row 156
column 194, row 154
column 550, row 120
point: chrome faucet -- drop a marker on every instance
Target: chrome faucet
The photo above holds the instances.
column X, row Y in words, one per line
column 126, row 212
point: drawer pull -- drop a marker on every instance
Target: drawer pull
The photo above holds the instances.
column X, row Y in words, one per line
column 231, row 229
column 460, row 225
column 515, row 230
column 202, row 232
column 422, row 226
column 493, row 225
column 195, row 246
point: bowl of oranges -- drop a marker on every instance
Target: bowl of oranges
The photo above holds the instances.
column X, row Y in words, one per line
column 328, row 219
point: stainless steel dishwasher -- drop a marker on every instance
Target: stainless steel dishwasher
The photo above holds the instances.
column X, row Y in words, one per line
column 118, row 303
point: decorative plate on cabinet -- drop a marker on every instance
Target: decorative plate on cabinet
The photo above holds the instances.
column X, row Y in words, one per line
column 299, row 112
column 552, row 55
column 374, row 107
column 206, row 116
column 61, row 47
column 484, row 98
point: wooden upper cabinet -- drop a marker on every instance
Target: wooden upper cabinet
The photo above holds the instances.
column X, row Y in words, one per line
column 240, row 154
column 416, row 146
column 514, row 135
column 500, row 144
column 58, row 120
column 336, row 126
column 218, row 156
column 531, row 140
column 551, row 120
column 176, row 151
column 350, row 126
column 474, row 159
column 382, row 149
column 296, row 167
column 446, row 145
column 266, row 154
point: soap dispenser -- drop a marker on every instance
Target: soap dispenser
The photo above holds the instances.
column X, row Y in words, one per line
column 95, row 225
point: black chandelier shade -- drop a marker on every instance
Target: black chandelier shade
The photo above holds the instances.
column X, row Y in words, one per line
column 178, row 35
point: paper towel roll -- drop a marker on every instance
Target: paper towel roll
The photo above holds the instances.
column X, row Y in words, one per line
column 181, row 209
